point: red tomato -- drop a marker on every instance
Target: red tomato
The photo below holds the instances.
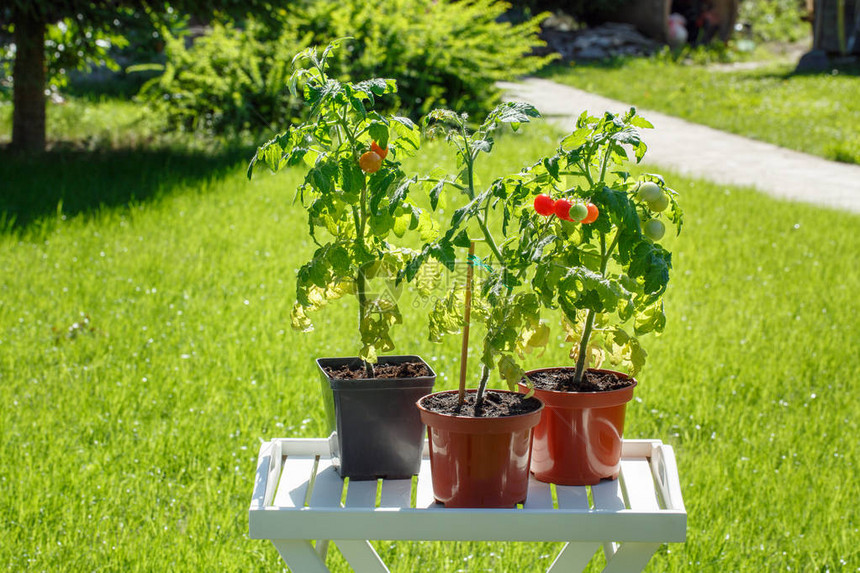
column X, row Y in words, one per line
column 382, row 153
column 593, row 212
column 562, row 209
column 544, row 205
column 370, row 162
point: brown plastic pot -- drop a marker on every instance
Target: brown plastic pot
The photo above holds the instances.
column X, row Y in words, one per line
column 578, row 439
column 374, row 429
column 479, row 462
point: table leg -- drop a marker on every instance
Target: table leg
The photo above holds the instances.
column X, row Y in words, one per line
column 573, row 557
column 322, row 548
column 361, row 556
column 300, row 556
column 628, row 556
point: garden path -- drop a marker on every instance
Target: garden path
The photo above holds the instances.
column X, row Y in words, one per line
column 701, row 151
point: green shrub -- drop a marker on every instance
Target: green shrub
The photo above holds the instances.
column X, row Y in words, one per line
column 441, row 53
column 228, row 81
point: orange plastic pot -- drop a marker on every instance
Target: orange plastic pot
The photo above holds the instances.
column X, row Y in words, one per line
column 578, row 439
column 479, row 462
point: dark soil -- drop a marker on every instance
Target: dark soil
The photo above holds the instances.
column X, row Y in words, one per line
column 561, row 379
column 403, row 370
column 496, row 404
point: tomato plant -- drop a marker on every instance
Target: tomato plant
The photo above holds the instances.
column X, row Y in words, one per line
column 607, row 276
column 354, row 201
column 505, row 304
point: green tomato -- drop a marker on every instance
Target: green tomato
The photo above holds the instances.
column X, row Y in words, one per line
column 654, row 229
column 659, row 204
column 578, row 212
column 649, row 191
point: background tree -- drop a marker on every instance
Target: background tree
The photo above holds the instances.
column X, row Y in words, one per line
column 90, row 22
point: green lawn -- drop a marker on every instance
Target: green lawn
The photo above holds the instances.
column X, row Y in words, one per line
column 83, row 124
column 130, row 444
column 813, row 113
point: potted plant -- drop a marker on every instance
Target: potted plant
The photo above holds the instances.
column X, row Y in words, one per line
column 480, row 440
column 592, row 235
column 356, row 197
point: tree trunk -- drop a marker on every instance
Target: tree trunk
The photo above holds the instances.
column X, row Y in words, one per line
column 28, row 119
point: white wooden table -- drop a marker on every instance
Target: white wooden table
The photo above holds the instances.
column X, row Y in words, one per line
column 299, row 498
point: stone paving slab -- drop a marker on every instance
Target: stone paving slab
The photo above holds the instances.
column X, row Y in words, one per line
column 701, row 151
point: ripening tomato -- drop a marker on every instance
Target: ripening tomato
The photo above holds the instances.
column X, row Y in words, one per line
column 382, row 153
column 593, row 212
column 578, row 212
column 370, row 162
column 544, row 205
column 654, row 229
column 562, row 209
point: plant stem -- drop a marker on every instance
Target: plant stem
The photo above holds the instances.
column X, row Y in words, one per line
column 467, row 314
column 586, row 171
column 583, row 349
column 605, row 254
column 605, row 162
column 361, row 292
column 360, row 218
column 482, row 387
column 470, row 191
column 446, row 181
column 490, row 241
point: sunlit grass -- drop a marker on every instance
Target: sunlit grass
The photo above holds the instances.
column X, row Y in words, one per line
column 130, row 443
column 81, row 124
column 813, row 113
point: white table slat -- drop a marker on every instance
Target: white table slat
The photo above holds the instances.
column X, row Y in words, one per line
column 664, row 468
column 328, row 486
column 396, row 493
column 608, row 496
column 424, row 492
column 639, row 484
column 266, row 478
column 540, row 495
column 572, row 497
column 361, row 493
column 295, row 477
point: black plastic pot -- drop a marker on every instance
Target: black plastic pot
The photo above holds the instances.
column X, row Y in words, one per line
column 375, row 430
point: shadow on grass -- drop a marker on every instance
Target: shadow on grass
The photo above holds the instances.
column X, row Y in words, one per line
column 37, row 188
column 849, row 69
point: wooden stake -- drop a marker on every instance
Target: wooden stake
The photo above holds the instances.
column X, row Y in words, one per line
column 467, row 314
